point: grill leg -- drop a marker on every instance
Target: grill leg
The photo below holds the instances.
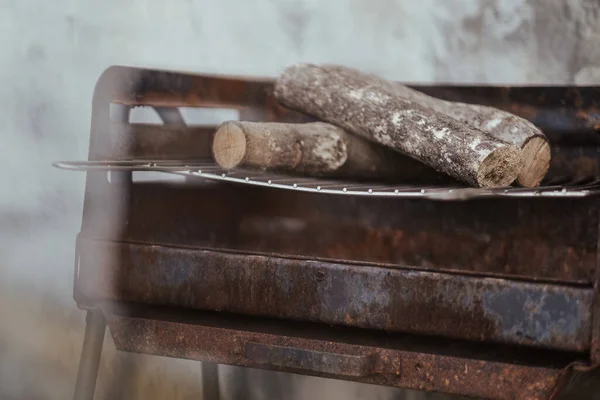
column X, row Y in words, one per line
column 210, row 381
column 90, row 355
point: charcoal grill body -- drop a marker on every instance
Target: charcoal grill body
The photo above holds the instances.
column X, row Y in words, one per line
column 493, row 297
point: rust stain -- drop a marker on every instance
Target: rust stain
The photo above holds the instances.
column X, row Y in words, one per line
column 376, row 365
column 183, row 248
column 372, row 297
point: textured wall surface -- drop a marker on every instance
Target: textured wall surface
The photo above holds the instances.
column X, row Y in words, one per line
column 53, row 52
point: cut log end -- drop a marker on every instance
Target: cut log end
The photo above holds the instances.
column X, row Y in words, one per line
column 500, row 168
column 536, row 157
column 229, row 145
column 370, row 108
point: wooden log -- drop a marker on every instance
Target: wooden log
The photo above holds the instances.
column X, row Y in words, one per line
column 313, row 149
column 498, row 123
column 366, row 107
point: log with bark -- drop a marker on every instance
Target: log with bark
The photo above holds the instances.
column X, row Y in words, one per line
column 314, row 149
column 370, row 108
column 498, row 123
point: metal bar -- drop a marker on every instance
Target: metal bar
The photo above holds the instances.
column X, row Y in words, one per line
column 390, row 360
column 120, row 113
column 210, row 381
column 558, row 108
column 366, row 296
column 90, row 355
column 595, row 340
column 170, row 116
column 310, row 360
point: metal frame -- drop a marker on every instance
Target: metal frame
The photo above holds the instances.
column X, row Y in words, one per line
column 91, row 354
column 151, row 271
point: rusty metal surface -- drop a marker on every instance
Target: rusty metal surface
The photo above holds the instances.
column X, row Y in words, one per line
column 595, row 336
column 558, row 108
column 535, row 238
column 577, row 379
column 383, row 359
column 574, row 161
column 525, row 238
column 374, row 297
column 438, row 267
column 310, row 360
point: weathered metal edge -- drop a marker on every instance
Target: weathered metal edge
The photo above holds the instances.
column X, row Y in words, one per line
column 462, row 307
column 313, row 356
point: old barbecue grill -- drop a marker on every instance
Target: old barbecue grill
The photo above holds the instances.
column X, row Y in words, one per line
column 487, row 293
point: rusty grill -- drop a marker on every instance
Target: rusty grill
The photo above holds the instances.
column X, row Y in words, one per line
column 490, row 294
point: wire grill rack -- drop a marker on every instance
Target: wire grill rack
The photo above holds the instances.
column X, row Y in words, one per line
column 566, row 187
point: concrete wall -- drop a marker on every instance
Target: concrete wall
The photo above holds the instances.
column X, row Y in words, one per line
column 52, row 52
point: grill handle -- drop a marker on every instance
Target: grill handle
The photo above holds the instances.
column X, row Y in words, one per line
column 360, row 365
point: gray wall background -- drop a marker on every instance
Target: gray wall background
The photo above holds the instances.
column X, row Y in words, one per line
column 51, row 54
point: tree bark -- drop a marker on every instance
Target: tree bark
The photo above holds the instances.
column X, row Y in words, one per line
column 500, row 124
column 370, row 108
column 313, row 149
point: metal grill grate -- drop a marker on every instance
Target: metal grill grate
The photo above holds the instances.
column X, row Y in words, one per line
column 560, row 187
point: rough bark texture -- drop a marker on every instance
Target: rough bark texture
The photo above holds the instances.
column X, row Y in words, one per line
column 370, row 108
column 500, row 124
column 314, row 149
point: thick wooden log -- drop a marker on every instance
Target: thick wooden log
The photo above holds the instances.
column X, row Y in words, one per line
column 498, row 123
column 313, row 149
column 366, row 107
